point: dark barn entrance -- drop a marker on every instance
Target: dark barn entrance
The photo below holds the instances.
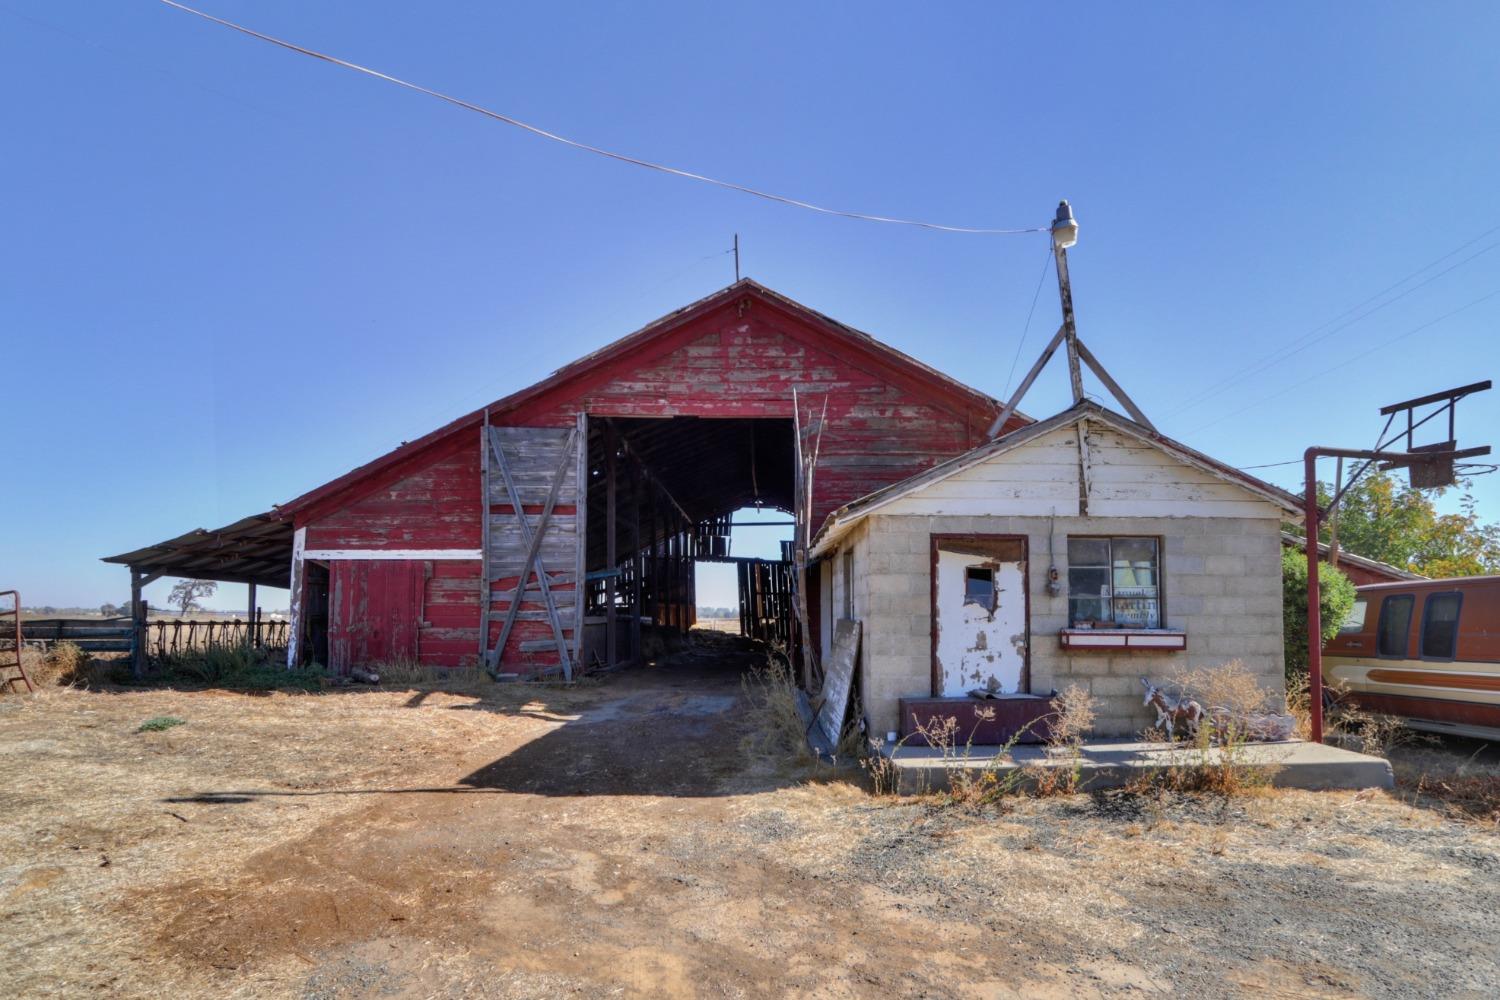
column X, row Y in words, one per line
column 661, row 497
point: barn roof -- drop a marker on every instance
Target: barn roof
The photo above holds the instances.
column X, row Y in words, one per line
column 1295, row 541
column 257, row 549
column 841, row 520
column 939, row 384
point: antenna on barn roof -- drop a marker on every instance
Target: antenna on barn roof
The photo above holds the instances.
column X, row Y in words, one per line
column 1065, row 235
column 736, row 256
column 1430, row 466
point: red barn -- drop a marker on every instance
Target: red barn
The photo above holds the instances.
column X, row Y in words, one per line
column 590, row 494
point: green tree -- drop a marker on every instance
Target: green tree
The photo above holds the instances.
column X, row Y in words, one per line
column 1335, row 599
column 1383, row 518
column 185, row 593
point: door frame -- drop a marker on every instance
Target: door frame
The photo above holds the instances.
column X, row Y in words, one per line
column 935, row 542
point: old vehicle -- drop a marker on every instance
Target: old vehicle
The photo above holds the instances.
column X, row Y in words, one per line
column 1427, row 651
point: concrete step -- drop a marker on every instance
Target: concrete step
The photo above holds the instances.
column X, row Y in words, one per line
column 1112, row 764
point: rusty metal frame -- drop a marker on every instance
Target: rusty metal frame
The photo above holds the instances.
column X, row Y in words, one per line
column 14, row 634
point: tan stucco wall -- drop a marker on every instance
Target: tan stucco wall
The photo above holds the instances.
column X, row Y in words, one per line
column 1222, row 582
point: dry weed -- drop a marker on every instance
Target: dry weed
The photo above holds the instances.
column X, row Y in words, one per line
column 64, row 664
column 1072, row 718
column 777, row 734
column 411, row 672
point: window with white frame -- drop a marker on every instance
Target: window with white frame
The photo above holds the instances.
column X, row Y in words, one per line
column 1114, row 581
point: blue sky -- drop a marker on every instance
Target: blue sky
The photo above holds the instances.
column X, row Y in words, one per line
column 230, row 273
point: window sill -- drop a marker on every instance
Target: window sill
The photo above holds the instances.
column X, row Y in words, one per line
column 1156, row 640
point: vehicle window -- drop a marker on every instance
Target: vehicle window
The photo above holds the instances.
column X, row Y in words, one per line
column 1355, row 620
column 1440, row 626
column 1395, row 625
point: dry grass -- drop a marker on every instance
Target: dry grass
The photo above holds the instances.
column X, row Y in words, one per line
column 1464, row 786
column 103, row 803
column 777, row 735
column 348, row 844
column 410, row 672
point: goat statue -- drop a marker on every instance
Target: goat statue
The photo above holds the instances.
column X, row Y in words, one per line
column 1174, row 715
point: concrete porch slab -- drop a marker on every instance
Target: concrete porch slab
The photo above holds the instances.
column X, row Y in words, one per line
column 1111, row 764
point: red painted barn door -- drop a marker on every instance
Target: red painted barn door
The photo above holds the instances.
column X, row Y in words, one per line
column 374, row 611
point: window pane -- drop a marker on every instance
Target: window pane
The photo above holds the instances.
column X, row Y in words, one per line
column 1142, row 611
column 1395, row 623
column 979, row 586
column 1086, row 609
column 1355, row 621
column 1088, row 552
column 1440, row 629
column 1088, row 582
column 1135, row 550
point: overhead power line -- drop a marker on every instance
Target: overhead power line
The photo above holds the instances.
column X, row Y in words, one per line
column 1361, row 355
column 1046, row 261
column 574, row 143
column 1317, row 334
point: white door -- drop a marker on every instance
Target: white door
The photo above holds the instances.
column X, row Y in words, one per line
column 979, row 607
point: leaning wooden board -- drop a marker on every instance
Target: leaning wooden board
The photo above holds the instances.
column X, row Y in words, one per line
column 838, row 679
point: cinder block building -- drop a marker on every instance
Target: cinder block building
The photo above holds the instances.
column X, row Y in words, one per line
column 1082, row 548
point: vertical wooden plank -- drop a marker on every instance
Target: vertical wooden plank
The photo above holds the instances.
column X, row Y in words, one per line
column 581, row 519
column 532, row 539
column 294, row 626
column 635, row 563
column 250, row 617
column 137, row 626
column 611, row 556
column 485, row 597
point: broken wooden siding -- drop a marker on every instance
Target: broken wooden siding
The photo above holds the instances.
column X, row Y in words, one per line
column 533, row 549
column 434, row 507
column 744, row 362
column 429, row 508
column 887, row 418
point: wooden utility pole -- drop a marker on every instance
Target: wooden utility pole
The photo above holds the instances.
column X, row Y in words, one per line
column 1064, row 235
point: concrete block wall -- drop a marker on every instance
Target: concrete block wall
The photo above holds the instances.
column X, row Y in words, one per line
column 1222, row 582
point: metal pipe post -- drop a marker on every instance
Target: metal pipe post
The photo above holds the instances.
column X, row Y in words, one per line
column 1314, row 608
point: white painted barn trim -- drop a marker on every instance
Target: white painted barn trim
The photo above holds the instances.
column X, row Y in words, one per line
column 294, row 633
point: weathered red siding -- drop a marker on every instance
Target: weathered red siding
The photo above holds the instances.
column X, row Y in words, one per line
column 436, row 507
column 374, row 608
column 882, row 425
column 887, row 418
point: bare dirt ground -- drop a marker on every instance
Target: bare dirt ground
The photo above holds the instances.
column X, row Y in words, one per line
column 616, row 839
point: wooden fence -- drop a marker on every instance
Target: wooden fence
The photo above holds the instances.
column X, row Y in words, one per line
column 162, row 636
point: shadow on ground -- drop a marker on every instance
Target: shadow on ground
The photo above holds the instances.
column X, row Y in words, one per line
column 673, row 727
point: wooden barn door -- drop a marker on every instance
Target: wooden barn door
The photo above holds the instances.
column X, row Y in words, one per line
column 374, row 611
column 533, row 561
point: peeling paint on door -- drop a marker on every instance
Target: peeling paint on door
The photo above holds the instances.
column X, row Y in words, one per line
column 980, row 644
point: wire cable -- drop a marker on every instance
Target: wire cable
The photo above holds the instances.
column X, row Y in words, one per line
column 1281, row 354
column 1344, row 364
column 1025, row 329
column 574, row 143
column 1270, row 465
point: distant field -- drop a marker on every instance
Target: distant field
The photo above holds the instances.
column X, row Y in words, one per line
column 730, row 626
